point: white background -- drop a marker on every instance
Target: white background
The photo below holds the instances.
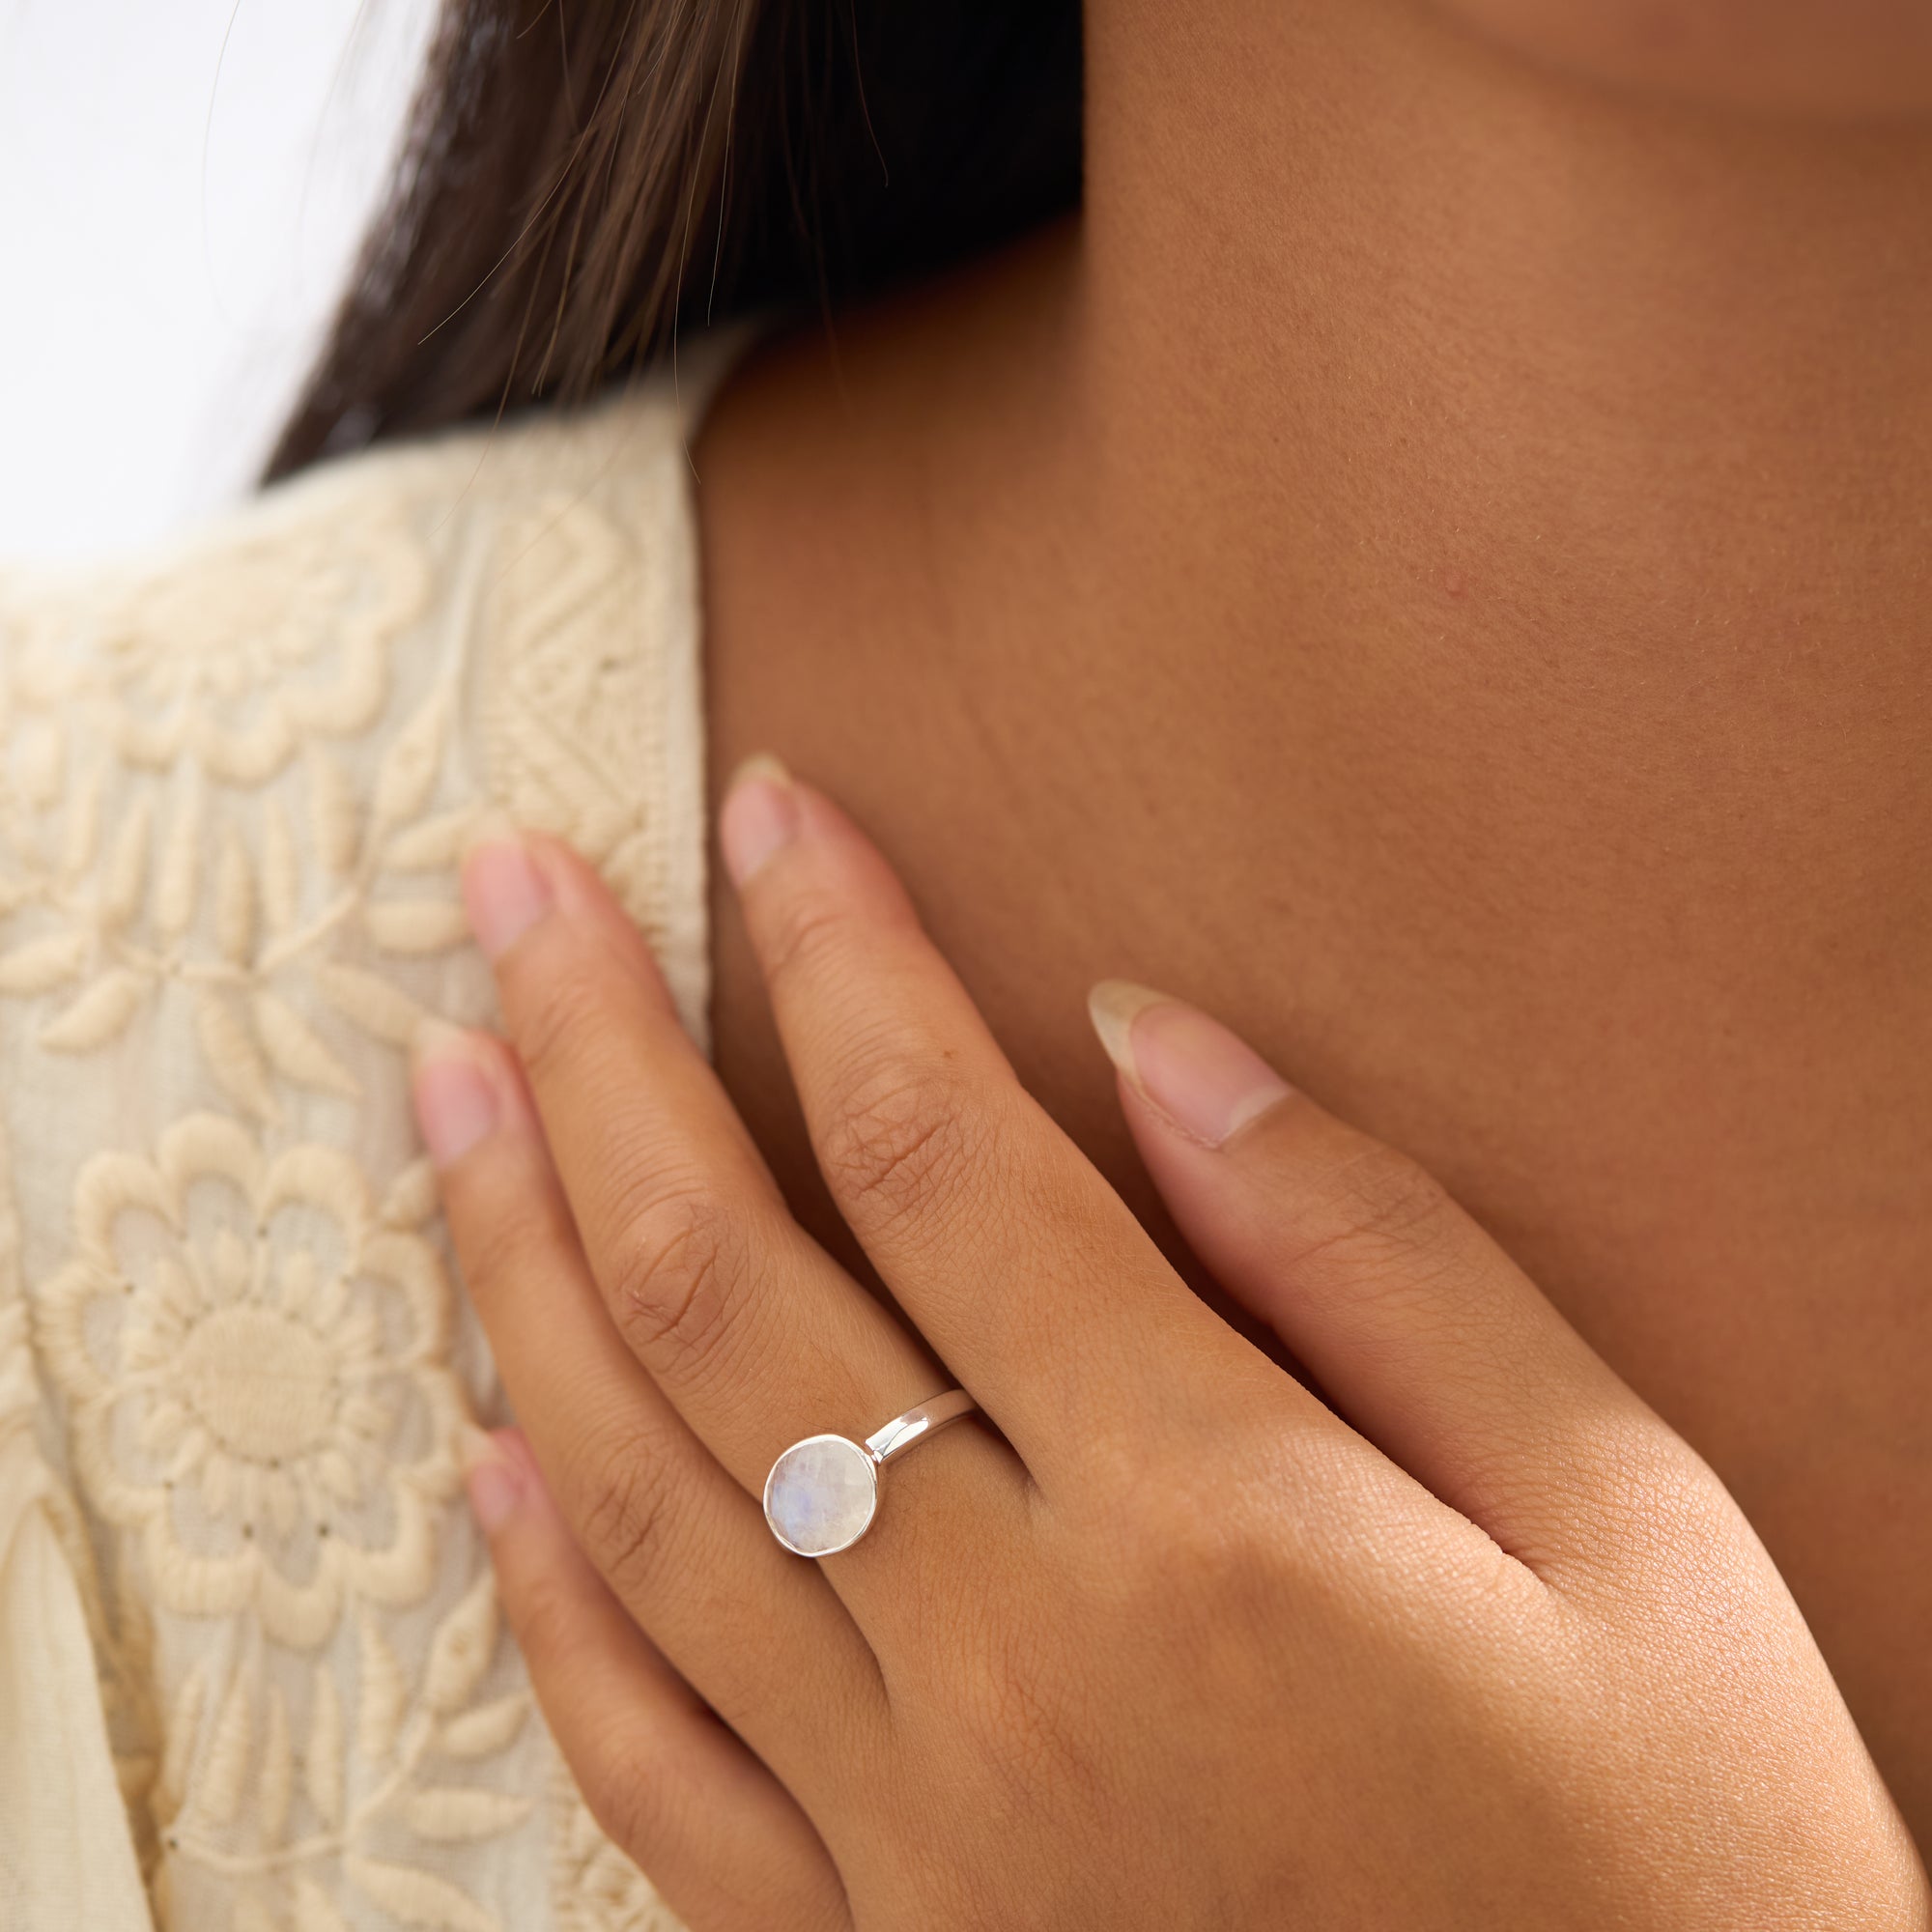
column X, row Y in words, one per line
column 183, row 183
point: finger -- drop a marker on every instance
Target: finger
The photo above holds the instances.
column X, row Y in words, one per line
column 1415, row 1323
column 761, row 1636
column 756, row 1336
column 998, row 1238
column 688, row 1803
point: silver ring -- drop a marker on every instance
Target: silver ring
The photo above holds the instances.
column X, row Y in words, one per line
column 823, row 1492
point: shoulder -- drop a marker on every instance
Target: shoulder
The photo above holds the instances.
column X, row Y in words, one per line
column 325, row 687
column 235, row 778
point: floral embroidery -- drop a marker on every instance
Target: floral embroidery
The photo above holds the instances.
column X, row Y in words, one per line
column 568, row 722
column 257, row 1364
column 180, row 895
column 342, row 1786
column 233, row 792
column 247, row 649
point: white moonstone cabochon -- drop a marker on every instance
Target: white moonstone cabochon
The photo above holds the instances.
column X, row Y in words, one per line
column 821, row 1495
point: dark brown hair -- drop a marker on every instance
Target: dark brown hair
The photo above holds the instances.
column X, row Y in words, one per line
column 583, row 178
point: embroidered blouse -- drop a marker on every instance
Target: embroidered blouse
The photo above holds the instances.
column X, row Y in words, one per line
column 252, row 1677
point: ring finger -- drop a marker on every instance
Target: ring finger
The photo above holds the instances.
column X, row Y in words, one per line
column 761, row 1638
column 754, row 1334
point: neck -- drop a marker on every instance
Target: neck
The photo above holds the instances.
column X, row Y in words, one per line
column 1492, row 417
column 1446, row 591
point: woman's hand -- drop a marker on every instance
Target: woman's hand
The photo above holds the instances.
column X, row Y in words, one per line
column 1170, row 1642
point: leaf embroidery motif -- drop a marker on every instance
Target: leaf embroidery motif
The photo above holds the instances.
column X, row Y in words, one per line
column 233, row 1057
column 416, row 925
column 433, row 846
column 407, row 774
column 375, row 1005
column 456, row 1812
column 382, row 1693
column 43, row 964
column 488, row 1728
column 411, row 1199
column 99, row 1014
column 461, row 1652
column 332, row 814
column 314, row 1911
column 295, row 1050
column 419, row 1898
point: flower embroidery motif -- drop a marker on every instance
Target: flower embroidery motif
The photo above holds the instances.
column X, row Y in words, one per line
column 246, row 649
column 257, row 1362
column 129, row 881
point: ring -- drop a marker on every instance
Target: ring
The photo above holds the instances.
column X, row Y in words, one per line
column 823, row 1493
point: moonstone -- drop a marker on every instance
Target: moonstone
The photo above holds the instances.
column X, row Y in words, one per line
column 821, row 1495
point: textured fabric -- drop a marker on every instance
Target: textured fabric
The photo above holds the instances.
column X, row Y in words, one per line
column 252, row 1677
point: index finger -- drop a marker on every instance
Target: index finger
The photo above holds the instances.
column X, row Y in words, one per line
column 999, row 1239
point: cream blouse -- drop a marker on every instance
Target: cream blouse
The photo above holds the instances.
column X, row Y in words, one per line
column 252, row 1677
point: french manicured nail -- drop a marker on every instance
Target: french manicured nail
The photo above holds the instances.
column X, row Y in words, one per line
column 759, row 815
column 504, row 892
column 455, row 1097
column 492, row 1476
column 1209, row 1083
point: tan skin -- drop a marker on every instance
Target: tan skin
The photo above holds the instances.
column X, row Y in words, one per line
column 1434, row 568
column 1429, row 568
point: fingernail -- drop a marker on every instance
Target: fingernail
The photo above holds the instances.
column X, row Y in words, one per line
column 455, row 1097
column 491, row 1477
column 759, row 815
column 503, row 891
column 1209, row 1083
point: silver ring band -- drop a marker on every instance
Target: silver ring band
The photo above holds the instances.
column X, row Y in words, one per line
column 823, row 1492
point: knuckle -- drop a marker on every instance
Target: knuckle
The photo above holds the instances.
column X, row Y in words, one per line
column 1122, row 1471
column 562, row 1007
column 899, row 1143
column 1014, row 1705
column 627, row 1789
column 1212, row 1540
column 547, row 1618
column 1383, row 1196
column 1656, row 1501
column 627, row 1516
column 505, row 1236
column 1375, row 1214
column 1211, row 1557
column 802, row 933
column 678, row 1274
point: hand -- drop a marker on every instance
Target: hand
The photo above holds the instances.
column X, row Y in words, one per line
column 1163, row 1641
